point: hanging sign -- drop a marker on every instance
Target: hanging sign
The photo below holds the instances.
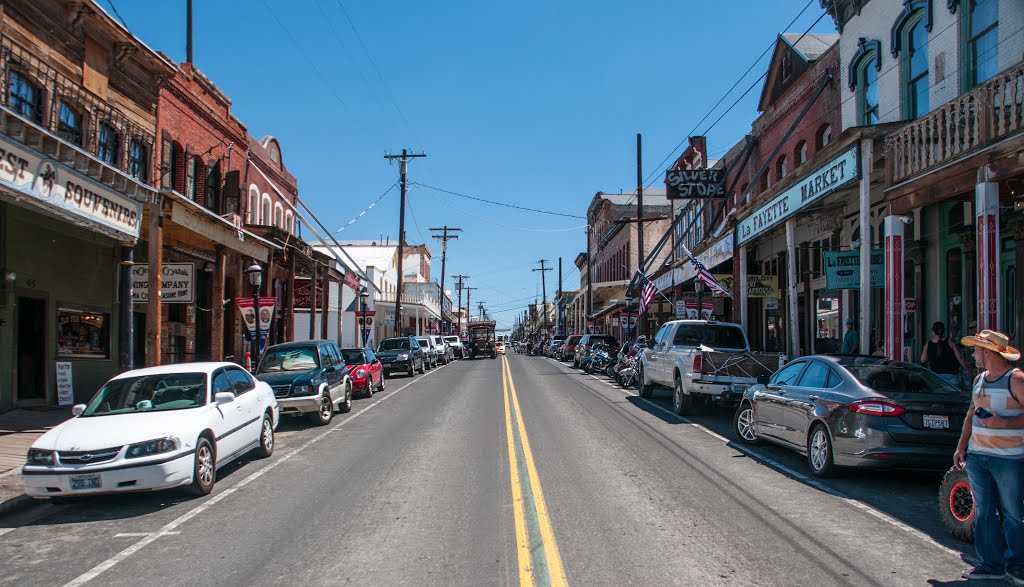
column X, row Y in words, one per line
column 816, row 185
column 842, row 269
column 351, row 280
column 758, row 286
column 302, row 293
column 65, row 389
column 685, row 184
column 176, row 285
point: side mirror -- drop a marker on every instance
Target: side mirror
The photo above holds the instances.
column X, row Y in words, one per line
column 144, row 405
column 77, row 409
column 223, row 397
column 764, row 379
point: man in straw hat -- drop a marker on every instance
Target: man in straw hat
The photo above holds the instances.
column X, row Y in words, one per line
column 992, row 448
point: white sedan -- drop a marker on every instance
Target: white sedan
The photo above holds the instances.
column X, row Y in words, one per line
column 155, row 428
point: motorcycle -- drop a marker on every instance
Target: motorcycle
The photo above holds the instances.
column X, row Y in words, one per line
column 597, row 360
column 956, row 504
column 627, row 376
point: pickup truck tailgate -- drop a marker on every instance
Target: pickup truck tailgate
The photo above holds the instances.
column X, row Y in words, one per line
column 742, row 365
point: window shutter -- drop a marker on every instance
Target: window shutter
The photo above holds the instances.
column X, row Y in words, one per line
column 179, row 169
column 200, row 181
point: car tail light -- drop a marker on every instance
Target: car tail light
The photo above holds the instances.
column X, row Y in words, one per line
column 876, row 408
column 698, row 362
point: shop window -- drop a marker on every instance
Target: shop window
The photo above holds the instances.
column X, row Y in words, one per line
column 980, row 45
column 914, row 65
column 69, row 124
column 82, row 334
column 824, row 135
column 108, row 141
column 213, row 187
column 24, row 97
column 138, row 160
column 801, row 152
column 190, row 178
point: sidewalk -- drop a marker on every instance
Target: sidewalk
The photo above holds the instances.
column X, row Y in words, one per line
column 20, row 428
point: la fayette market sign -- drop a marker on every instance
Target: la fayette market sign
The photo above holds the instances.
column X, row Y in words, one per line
column 822, row 182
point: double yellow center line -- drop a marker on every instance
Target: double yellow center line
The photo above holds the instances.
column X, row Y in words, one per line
column 539, row 562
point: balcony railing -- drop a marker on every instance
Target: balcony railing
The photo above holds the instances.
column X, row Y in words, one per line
column 985, row 115
column 40, row 94
column 419, row 298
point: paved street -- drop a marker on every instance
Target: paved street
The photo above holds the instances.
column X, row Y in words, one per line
column 415, row 486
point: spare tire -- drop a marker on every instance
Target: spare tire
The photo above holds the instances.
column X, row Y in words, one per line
column 956, row 505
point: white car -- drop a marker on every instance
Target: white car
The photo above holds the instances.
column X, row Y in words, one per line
column 500, row 347
column 155, row 428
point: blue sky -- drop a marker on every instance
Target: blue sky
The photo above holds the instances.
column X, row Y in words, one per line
column 530, row 103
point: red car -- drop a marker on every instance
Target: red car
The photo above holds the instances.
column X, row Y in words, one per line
column 365, row 369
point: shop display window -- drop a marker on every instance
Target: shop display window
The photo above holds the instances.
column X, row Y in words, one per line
column 83, row 334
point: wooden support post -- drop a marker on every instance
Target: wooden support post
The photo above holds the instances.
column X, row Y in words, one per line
column 155, row 258
column 217, row 305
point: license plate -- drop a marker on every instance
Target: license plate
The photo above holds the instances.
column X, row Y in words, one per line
column 936, row 422
column 85, row 481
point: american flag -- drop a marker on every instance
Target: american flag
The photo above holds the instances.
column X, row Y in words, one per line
column 647, row 295
column 709, row 280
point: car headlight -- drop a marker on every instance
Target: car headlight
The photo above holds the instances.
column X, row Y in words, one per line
column 360, row 373
column 403, row 357
column 40, row 457
column 303, row 389
column 151, row 447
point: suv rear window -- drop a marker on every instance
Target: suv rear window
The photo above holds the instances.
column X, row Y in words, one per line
column 712, row 335
column 608, row 340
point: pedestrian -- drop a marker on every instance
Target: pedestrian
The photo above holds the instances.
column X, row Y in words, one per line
column 851, row 340
column 992, row 448
column 941, row 355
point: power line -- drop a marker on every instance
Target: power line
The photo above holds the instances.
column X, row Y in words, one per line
column 499, row 203
column 116, row 13
column 510, row 227
column 367, row 209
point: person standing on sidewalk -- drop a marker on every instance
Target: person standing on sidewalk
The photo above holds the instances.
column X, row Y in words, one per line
column 992, row 448
column 851, row 340
column 942, row 356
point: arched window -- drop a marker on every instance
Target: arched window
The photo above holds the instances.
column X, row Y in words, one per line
column 867, row 91
column 980, row 34
column 278, row 215
column 801, row 153
column 781, row 167
column 288, row 222
column 265, row 213
column 911, row 36
column 824, row 135
column 253, row 211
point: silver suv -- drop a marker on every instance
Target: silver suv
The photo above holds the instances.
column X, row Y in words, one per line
column 433, row 353
column 455, row 343
column 447, row 354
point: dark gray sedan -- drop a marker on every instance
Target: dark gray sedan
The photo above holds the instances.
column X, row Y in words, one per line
column 855, row 411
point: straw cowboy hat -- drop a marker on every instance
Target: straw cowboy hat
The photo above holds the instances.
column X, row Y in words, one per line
column 995, row 341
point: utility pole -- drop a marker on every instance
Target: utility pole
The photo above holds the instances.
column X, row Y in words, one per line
column 403, row 164
column 458, row 318
column 558, row 304
column 481, row 307
column 590, row 288
column 188, row 35
column 639, row 220
column 469, row 307
column 544, row 290
column 444, row 237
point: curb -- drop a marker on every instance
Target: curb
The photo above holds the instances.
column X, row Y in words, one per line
column 15, row 504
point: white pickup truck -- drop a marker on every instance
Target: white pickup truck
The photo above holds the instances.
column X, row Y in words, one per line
column 701, row 357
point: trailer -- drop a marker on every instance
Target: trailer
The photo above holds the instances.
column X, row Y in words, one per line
column 481, row 339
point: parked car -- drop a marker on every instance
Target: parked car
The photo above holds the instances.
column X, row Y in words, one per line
column 401, row 354
column 855, row 411
column 568, row 349
column 553, row 348
column 703, row 358
column 433, row 353
column 155, row 428
column 455, row 343
column 585, row 344
column 447, row 355
column 307, row 377
column 365, row 370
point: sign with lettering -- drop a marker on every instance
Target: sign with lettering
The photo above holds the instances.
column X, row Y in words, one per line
column 758, row 286
column 65, row 389
column 55, row 186
column 351, row 280
column 719, row 252
column 176, row 284
column 685, row 184
column 842, row 269
column 302, row 287
column 816, row 185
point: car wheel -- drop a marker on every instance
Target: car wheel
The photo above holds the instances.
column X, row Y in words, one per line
column 412, row 370
column 325, row 414
column 346, row 402
column 423, row 367
column 204, row 472
column 956, row 505
column 380, row 387
column 819, row 452
column 743, row 424
column 266, row 447
column 682, row 403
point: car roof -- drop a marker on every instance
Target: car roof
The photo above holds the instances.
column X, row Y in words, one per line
column 298, row 344
column 202, row 367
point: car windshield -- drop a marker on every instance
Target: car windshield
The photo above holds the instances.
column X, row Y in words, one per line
column 353, row 356
column 452, row 339
column 289, row 359
column 149, row 393
column 394, row 344
column 899, row 378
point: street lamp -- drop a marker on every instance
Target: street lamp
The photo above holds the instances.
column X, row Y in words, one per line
column 363, row 294
column 401, row 313
column 698, row 286
column 255, row 274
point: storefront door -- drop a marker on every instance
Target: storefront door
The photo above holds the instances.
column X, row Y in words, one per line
column 31, row 350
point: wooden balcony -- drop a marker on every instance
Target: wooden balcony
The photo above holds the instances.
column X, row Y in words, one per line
column 985, row 116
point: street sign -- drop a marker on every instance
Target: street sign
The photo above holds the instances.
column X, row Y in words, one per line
column 366, row 313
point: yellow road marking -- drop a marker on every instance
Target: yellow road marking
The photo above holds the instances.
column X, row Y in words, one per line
column 554, row 560
column 522, row 540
